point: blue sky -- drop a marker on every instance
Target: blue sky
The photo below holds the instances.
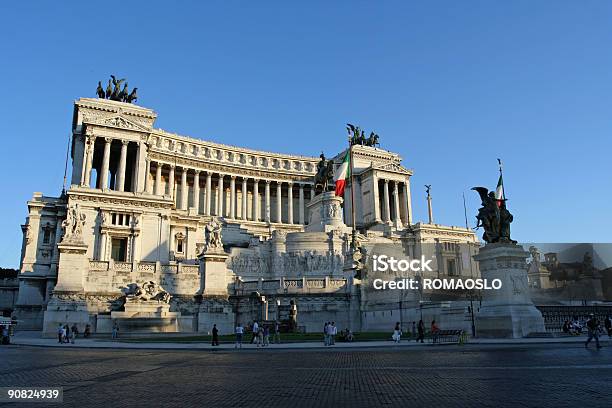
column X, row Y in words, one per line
column 449, row 85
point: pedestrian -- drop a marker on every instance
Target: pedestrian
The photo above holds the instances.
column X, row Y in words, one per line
column 414, row 331
column 215, row 335
column 115, row 332
column 608, row 326
column 593, row 327
column 266, row 335
column 6, row 338
column 260, row 336
column 434, row 331
column 66, row 334
column 397, row 333
column 326, row 334
column 239, row 331
column 255, row 331
column 60, row 333
column 74, row 332
column 334, row 332
column 276, row 337
column 421, row 329
column 87, row 331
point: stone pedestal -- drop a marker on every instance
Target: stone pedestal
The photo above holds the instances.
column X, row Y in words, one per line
column 144, row 316
column 65, row 309
column 213, row 273
column 326, row 214
column 73, row 266
column 216, row 311
column 507, row 312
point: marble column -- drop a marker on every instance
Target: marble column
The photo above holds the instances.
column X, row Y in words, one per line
column 105, row 163
column 244, row 198
column 171, row 183
column 268, row 200
column 301, row 209
column 386, row 202
column 396, row 201
column 196, row 191
column 90, row 154
column 290, row 203
column 121, row 170
column 407, row 203
column 279, row 202
column 158, row 179
column 220, row 193
column 256, row 211
column 232, row 197
column 184, row 189
column 207, row 200
column 377, row 216
column 148, row 176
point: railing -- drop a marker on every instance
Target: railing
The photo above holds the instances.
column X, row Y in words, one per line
column 325, row 284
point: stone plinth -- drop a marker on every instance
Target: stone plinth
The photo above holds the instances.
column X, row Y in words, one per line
column 145, row 317
column 67, row 310
column 216, row 311
column 213, row 273
column 509, row 311
column 326, row 214
column 73, row 266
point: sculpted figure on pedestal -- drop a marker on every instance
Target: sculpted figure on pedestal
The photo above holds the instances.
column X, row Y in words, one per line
column 145, row 292
column 493, row 217
column 73, row 225
column 213, row 235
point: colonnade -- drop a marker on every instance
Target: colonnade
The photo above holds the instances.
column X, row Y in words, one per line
column 394, row 207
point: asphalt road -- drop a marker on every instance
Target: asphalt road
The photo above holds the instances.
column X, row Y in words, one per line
column 552, row 375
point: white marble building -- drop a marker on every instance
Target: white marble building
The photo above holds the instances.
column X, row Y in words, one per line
column 147, row 195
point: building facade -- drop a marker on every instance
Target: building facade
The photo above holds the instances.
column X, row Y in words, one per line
column 143, row 199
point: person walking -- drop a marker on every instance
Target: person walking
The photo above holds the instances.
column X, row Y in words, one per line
column 260, row 337
column 276, row 337
column 334, row 332
column 397, row 333
column 87, row 331
column 60, row 333
column 608, row 326
column 115, row 332
column 266, row 335
column 593, row 328
column 74, row 332
column 6, row 337
column 215, row 335
column 66, row 334
column 421, row 330
column 239, row 332
column 255, row 331
column 325, row 334
column 434, row 331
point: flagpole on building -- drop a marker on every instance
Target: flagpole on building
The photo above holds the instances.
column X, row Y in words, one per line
column 501, row 176
column 352, row 188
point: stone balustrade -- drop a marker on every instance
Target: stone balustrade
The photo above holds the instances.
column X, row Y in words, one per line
column 292, row 285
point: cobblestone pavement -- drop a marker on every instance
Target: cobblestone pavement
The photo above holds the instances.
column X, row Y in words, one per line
column 553, row 375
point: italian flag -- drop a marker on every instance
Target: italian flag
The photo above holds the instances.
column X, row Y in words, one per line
column 342, row 174
column 499, row 191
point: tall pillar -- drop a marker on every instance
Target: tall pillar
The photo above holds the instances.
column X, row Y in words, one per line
column 105, row 163
column 398, row 219
column 377, row 216
column 407, row 203
column 121, row 171
column 207, row 200
column 171, row 183
column 147, row 175
column 301, row 210
column 279, row 202
column 184, row 189
column 232, row 197
column 158, row 180
column 219, row 207
column 386, row 202
column 290, row 203
column 91, row 144
column 256, row 211
column 196, row 191
column 267, row 200
column 244, row 198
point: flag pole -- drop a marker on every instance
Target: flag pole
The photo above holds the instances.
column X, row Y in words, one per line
column 352, row 189
column 501, row 175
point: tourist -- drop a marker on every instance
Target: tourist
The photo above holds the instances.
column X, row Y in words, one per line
column 593, row 327
column 434, row 331
column 74, row 332
column 115, row 332
column 60, row 333
column 87, row 331
column 414, row 331
column 266, row 335
column 259, row 336
column 397, row 333
column 215, row 335
column 276, row 337
column 333, row 333
column 421, row 330
column 66, row 334
column 608, row 326
column 566, row 327
column 239, row 331
column 255, row 331
column 326, row 334
column 6, row 339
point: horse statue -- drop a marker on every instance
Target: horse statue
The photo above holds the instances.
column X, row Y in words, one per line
column 372, row 140
column 324, row 178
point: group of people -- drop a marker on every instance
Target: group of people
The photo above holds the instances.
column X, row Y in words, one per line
column 67, row 334
column 418, row 331
column 575, row 327
column 330, row 331
column 260, row 334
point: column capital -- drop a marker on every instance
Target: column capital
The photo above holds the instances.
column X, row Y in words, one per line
column 386, row 181
column 221, row 175
column 124, row 142
column 172, row 166
column 290, row 183
column 268, row 182
column 108, row 139
column 233, row 177
column 196, row 172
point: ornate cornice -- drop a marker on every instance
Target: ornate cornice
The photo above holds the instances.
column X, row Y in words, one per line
column 100, row 198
